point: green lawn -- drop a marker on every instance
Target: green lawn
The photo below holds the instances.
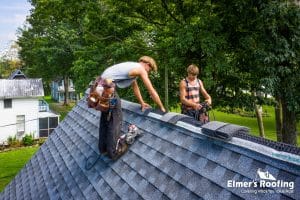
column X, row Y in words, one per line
column 12, row 162
column 59, row 108
column 251, row 122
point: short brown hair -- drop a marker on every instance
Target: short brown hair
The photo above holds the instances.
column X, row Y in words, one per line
column 150, row 61
column 193, row 69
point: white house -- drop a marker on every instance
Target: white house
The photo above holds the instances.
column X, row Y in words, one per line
column 21, row 110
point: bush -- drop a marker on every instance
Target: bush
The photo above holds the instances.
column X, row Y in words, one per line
column 11, row 139
column 13, row 142
column 41, row 141
column 28, row 140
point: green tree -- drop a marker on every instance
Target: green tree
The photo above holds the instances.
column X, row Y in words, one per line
column 9, row 61
column 239, row 45
column 265, row 49
column 47, row 43
column 279, row 56
column 179, row 33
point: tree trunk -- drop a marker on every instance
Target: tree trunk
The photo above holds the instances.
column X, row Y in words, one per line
column 289, row 133
column 278, row 119
column 258, row 111
column 166, row 89
column 66, row 85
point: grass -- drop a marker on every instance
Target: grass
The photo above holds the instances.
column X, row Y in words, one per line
column 251, row 122
column 12, row 162
column 59, row 108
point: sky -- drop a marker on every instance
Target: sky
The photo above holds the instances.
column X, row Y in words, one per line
column 12, row 16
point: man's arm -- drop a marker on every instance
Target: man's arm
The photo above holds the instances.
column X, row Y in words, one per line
column 137, row 93
column 151, row 90
column 205, row 94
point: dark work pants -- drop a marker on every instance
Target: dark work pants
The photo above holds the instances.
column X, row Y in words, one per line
column 110, row 130
column 191, row 113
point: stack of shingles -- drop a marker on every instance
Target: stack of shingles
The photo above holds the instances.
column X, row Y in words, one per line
column 223, row 130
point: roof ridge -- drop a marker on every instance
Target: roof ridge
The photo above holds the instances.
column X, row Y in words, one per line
column 280, row 146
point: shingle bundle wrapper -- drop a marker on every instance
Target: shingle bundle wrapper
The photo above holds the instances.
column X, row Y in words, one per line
column 223, row 130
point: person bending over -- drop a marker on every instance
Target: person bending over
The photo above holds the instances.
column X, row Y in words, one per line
column 121, row 75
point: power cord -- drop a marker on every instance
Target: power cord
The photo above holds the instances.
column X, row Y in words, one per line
column 91, row 161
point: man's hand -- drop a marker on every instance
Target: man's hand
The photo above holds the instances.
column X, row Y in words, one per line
column 208, row 101
column 163, row 109
column 197, row 106
column 145, row 106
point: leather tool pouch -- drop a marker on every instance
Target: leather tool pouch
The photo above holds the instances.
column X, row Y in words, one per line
column 101, row 95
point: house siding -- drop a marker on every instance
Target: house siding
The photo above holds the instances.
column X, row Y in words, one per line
column 8, row 117
column 58, row 89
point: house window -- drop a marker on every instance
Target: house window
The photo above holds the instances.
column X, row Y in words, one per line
column 43, row 126
column 20, row 125
column 47, row 125
column 7, row 103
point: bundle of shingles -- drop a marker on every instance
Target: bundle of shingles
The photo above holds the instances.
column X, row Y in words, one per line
column 224, row 131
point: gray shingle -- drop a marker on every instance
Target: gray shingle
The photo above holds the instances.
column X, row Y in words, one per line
column 167, row 162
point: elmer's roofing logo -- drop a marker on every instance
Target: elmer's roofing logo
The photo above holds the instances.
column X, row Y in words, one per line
column 264, row 182
column 264, row 175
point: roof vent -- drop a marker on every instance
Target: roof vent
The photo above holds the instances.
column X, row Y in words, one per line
column 223, row 130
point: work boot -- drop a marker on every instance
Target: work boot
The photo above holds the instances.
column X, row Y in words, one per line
column 103, row 153
column 122, row 149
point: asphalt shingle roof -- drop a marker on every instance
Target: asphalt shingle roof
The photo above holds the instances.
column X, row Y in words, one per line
column 17, row 74
column 172, row 160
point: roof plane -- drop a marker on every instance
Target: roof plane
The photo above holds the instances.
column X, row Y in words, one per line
column 172, row 160
column 17, row 74
column 20, row 88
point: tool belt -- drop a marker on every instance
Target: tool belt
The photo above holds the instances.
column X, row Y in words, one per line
column 102, row 95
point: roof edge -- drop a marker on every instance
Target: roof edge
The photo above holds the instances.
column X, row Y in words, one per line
column 267, row 151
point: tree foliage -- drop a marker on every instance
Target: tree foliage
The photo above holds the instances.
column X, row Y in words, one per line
column 239, row 45
column 9, row 61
